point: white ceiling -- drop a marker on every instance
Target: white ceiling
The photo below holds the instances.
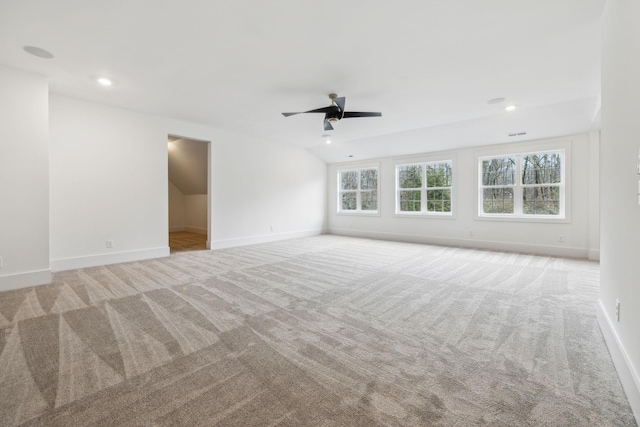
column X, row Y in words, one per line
column 429, row 66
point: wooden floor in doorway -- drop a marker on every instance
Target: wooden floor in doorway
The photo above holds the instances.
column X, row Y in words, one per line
column 183, row 241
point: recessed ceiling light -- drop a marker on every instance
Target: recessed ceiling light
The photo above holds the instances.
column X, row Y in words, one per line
column 495, row 101
column 328, row 141
column 38, row 51
column 104, row 81
column 510, row 108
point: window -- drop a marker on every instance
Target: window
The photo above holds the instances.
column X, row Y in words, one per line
column 424, row 188
column 358, row 190
column 522, row 185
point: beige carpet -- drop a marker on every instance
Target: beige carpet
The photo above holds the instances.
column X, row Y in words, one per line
column 322, row 331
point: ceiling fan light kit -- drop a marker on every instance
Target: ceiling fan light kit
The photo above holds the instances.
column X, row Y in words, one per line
column 335, row 112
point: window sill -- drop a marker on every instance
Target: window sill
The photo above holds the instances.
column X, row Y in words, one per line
column 425, row 215
column 540, row 219
column 358, row 213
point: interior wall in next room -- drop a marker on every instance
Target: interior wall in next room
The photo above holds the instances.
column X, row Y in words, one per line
column 195, row 213
column 176, row 209
column 189, row 174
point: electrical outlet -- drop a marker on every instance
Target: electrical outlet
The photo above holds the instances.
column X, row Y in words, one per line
column 271, row 228
column 618, row 310
column 109, row 243
column 0, row 262
column 561, row 238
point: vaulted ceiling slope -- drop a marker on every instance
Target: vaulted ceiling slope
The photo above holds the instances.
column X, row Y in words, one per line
column 236, row 65
column 188, row 165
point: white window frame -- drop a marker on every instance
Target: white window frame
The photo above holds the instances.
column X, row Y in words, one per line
column 423, row 190
column 518, row 187
column 359, row 191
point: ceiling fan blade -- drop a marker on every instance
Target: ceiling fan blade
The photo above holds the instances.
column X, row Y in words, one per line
column 350, row 114
column 319, row 110
column 327, row 124
column 340, row 102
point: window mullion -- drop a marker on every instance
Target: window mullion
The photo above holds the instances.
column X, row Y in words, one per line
column 517, row 191
column 359, row 192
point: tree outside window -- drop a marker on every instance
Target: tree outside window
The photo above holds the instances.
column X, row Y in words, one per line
column 424, row 188
column 538, row 189
column 358, row 190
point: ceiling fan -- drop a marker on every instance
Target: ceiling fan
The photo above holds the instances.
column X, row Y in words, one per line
column 335, row 112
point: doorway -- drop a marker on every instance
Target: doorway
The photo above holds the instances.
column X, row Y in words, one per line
column 189, row 200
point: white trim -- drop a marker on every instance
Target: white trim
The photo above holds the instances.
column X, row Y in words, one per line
column 196, row 230
column 438, row 158
column 176, row 228
column 524, row 148
column 25, row 280
column 626, row 372
column 518, row 187
column 105, row 259
column 594, row 255
column 264, row 238
column 545, row 250
column 358, row 191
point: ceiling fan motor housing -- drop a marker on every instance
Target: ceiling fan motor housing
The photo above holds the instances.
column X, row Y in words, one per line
column 334, row 116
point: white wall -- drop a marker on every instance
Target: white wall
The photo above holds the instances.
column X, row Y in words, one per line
column 261, row 191
column 24, row 180
column 464, row 228
column 195, row 208
column 620, row 210
column 109, row 181
column 176, row 208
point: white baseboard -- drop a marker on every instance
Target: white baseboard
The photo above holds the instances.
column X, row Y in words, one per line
column 104, row 259
column 24, row 280
column 265, row 238
column 626, row 371
column 195, row 230
column 594, row 255
column 561, row 251
column 176, row 228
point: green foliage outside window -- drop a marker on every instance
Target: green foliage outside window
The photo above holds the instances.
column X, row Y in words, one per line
column 425, row 186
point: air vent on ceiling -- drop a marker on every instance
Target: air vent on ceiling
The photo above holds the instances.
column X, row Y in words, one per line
column 517, row 133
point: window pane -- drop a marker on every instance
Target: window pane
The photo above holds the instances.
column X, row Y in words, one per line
column 541, row 200
column 369, row 200
column 369, row 179
column 542, row 169
column 410, row 201
column 497, row 200
column 349, row 180
column 349, row 201
column 410, row 176
column 498, row 171
column 439, row 200
column 439, row 175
